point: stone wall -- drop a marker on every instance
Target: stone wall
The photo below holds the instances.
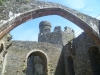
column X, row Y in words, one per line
column 79, row 51
column 51, row 38
column 16, row 56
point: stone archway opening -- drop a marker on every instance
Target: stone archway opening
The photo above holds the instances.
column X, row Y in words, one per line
column 37, row 64
column 70, row 66
column 94, row 55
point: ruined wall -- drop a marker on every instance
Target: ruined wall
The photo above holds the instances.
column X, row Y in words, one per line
column 16, row 57
column 79, row 51
column 72, row 59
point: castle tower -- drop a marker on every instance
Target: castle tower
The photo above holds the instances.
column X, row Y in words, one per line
column 57, row 36
column 67, row 35
column 45, row 27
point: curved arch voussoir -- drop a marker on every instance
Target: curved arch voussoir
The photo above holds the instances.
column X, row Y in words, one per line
column 87, row 23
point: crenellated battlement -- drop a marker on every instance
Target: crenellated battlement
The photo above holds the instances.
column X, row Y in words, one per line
column 57, row 36
column 68, row 29
column 57, row 29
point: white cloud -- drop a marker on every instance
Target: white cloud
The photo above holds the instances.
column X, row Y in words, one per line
column 76, row 4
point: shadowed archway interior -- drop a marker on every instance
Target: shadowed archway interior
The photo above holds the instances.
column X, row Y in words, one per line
column 37, row 64
column 70, row 66
column 94, row 55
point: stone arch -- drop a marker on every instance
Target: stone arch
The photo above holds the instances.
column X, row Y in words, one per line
column 87, row 23
column 70, row 65
column 94, row 55
column 43, row 56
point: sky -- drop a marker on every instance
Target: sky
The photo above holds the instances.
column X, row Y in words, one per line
column 29, row 30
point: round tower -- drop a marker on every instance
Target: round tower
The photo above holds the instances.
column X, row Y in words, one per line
column 45, row 27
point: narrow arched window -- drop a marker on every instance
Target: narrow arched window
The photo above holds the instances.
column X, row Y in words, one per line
column 70, row 66
column 1, row 47
column 94, row 55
